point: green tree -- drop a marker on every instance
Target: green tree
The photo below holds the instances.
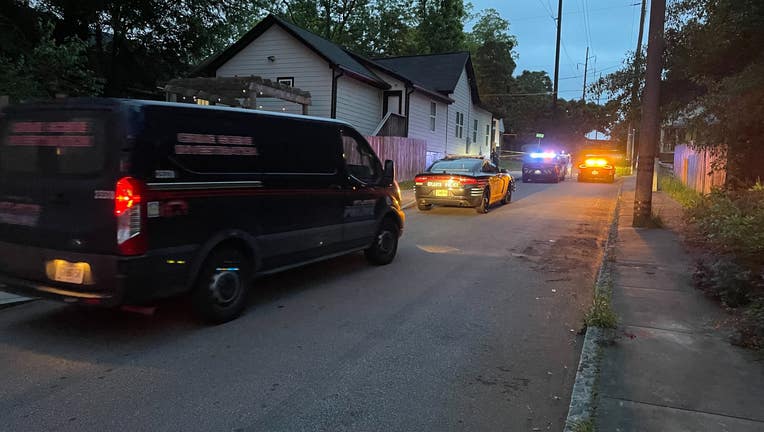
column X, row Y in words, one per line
column 441, row 26
column 49, row 69
column 715, row 59
column 493, row 58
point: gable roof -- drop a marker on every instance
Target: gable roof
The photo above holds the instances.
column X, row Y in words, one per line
column 335, row 55
column 416, row 85
column 440, row 72
column 433, row 74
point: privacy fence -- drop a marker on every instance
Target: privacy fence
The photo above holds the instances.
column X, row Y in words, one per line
column 409, row 154
column 694, row 168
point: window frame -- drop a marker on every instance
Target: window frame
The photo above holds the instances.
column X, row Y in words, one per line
column 289, row 81
column 433, row 115
column 360, row 141
column 459, row 127
column 488, row 135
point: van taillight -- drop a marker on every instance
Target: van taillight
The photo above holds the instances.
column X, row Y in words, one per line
column 128, row 210
column 420, row 180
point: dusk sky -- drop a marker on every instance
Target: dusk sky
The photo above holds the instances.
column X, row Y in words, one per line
column 608, row 27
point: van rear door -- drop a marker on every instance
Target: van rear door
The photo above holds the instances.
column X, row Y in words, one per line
column 57, row 178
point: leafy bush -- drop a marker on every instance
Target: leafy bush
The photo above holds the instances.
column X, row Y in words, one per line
column 752, row 324
column 732, row 223
column 726, row 280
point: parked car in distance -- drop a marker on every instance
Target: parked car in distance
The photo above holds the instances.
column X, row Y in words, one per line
column 463, row 181
column 596, row 168
column 543, row 167
column 109, row 202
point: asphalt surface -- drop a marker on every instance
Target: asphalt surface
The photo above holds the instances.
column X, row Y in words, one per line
column 472, row 327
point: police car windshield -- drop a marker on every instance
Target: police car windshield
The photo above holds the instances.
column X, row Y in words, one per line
column 456, row 166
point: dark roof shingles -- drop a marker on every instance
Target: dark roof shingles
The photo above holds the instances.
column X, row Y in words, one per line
column 439, row 72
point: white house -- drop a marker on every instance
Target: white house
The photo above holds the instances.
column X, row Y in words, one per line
column 430, row 97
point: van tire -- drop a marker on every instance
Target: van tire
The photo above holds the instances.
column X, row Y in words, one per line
column 424, row 207
column 221, row 295
column 382, row 251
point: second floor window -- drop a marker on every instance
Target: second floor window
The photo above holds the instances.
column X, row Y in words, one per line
column 433, row 115
column 459, row 126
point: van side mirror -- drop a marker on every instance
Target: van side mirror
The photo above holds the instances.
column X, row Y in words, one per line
column 388, row 175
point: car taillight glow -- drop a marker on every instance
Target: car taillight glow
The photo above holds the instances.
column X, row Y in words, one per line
column 127, row 208
column 467, row 180
column 420, row 180
column 598, row 162
column 126, row 195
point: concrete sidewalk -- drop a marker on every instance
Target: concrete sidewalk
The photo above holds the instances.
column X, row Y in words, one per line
column 8, row 299
column 670, row 368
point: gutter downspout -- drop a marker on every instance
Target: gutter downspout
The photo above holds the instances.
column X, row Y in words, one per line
column 448, row 118
column 408, row 116
column 335, row 77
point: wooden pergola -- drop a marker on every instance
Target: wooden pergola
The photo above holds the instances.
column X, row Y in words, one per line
column 234, row 91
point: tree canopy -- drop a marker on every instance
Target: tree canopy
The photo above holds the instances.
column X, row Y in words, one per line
column 713, row 78
column 127, row 48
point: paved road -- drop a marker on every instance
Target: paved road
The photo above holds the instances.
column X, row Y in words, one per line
column 469, row 329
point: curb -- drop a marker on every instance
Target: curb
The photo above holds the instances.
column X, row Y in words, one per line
column 582, row 397
column 15, row 302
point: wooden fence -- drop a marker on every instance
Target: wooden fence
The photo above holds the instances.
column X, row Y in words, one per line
column 409, row 154
column 694, row 169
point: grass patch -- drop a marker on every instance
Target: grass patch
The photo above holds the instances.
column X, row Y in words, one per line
column 601, row 313
column 584, row 426
column 622, row 171
column 511, row 164
column 685, row 196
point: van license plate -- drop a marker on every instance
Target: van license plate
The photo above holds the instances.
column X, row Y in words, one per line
column 68, row 272
column 441, row 192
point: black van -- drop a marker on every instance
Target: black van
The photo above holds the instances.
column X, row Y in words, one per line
column 109, row 202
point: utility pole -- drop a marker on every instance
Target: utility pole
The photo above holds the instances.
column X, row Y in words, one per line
column 557, row 58
column 643, row 195
column 631, row 138
column 586, row 70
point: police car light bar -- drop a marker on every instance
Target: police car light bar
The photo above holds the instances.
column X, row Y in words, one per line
column 545, row 155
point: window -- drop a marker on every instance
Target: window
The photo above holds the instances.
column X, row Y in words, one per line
column 433, row 114
column 474, row 132
column 244, row 143
column 459, row 126
column 287, row 81
column 54, row 143
column 488, row 135
column 360, row 160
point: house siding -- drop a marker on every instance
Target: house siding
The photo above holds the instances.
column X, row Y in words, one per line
column 293, row 59
column 359, row 104
column 484, row 119
column 419, row 124
column 463, row 104
column 462, row 97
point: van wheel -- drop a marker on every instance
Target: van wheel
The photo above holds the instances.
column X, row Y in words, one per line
column 220, row 293
column 485, row 202
column 382, row 250
column 424, row 207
